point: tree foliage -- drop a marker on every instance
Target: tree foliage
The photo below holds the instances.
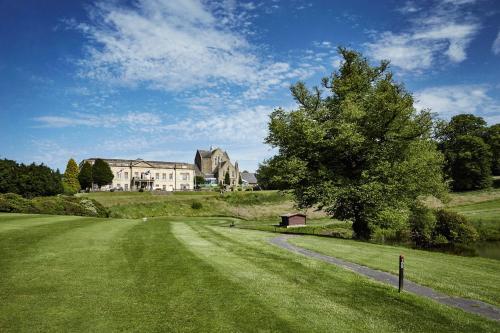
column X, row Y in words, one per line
column 29, row 180
column 227, row 179
column 101, row 173
column 70, row 181
column 85, row 176
column 493, row 140
column 362, row 150
column 272, row 174
column 468, row 156
column 468, row 162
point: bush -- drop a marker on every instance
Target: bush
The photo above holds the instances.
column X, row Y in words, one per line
column 455, row 228
column 57, row 205
column 441, row 229
column 422, row 224
column 390, row 224
column 196, row 205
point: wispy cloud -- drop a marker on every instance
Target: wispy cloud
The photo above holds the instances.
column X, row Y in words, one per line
column 448, row 101
column 177, row 45
column 496, row 45
column 438, row 34
column 132, row 120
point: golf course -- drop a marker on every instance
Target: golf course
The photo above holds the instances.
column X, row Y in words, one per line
column 66, row 273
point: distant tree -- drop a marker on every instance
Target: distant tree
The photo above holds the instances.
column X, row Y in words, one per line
column 101, row 173
column 361, row 153
column 468, row 162
column 9, row 171
column 227, row 179
column 468, row 156
column 70, row 181
column 85, row 176
column 240, row 180
column 493, row 140
column 462, row 124
column 38, row 180
column 199, row 180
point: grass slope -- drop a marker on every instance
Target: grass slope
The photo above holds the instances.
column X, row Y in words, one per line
column 246, row 205
column 189, row 274
column 471, row 277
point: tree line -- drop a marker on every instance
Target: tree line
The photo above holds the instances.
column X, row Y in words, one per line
column 35, row 180
column 363, row 153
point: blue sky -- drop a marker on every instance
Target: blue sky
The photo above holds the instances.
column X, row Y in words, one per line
column 158, row 79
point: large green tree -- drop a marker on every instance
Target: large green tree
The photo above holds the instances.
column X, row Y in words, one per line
column 493, row 140
column 469, row 163
column 468, row 156
column 101, row 173
column 85, row 176
column 363, row 152
column 70, row 181
column 272, row 174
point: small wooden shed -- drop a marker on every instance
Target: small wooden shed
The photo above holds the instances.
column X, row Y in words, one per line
column 293, row 220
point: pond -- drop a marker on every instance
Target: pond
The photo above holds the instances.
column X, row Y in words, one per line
column 488, row 249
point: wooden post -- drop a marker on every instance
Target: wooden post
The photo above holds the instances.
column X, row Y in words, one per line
column 401, row 271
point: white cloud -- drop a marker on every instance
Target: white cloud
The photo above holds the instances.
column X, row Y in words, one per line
column 132, row 120
column 448, row 101
column 442, row 32
column 176, row 45
column 496, row 45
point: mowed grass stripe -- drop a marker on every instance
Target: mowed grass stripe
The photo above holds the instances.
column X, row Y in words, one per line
column 470, row 277
column 315, row 296
column 114, row 275
column 53, row 276
column 20, row 221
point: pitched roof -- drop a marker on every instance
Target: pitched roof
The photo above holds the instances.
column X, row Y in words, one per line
column 205, row 153
column 157, row 164
column 249, row 177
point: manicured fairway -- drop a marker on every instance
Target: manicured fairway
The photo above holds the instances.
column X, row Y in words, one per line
column 190, row 274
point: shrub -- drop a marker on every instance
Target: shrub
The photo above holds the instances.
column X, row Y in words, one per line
column 455, row 228
column 196, row 205
column 390, row 224
column 56, row 205
column 422, row 224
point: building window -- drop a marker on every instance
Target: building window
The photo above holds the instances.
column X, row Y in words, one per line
column 118, row 185
column 232, row 174
column 185, row 176
column 164, row 176
column 157, row 185
column 136, row 174
column 171, row 176
column 157, row 176
column 164, row 187
column 118, row 175
column 126, row 175
column 126, row 187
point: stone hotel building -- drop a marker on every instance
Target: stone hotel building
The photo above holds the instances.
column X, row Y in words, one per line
column 132, row 175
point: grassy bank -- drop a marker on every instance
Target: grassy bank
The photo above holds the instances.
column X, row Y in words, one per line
column 245, row 205
column 60, row 273
column 482, row 208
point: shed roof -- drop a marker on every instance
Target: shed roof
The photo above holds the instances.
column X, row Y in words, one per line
column 293, row 214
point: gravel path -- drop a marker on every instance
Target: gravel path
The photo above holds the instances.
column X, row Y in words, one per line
column 472, row 306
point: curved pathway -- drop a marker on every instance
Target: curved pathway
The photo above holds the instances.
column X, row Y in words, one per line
column 469, row 305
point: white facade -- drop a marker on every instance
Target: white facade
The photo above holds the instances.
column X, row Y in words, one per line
column 132, row 175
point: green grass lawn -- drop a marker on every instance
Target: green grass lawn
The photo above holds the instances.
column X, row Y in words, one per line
column 482, row 208
column 470, row 277
column 60, row 273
